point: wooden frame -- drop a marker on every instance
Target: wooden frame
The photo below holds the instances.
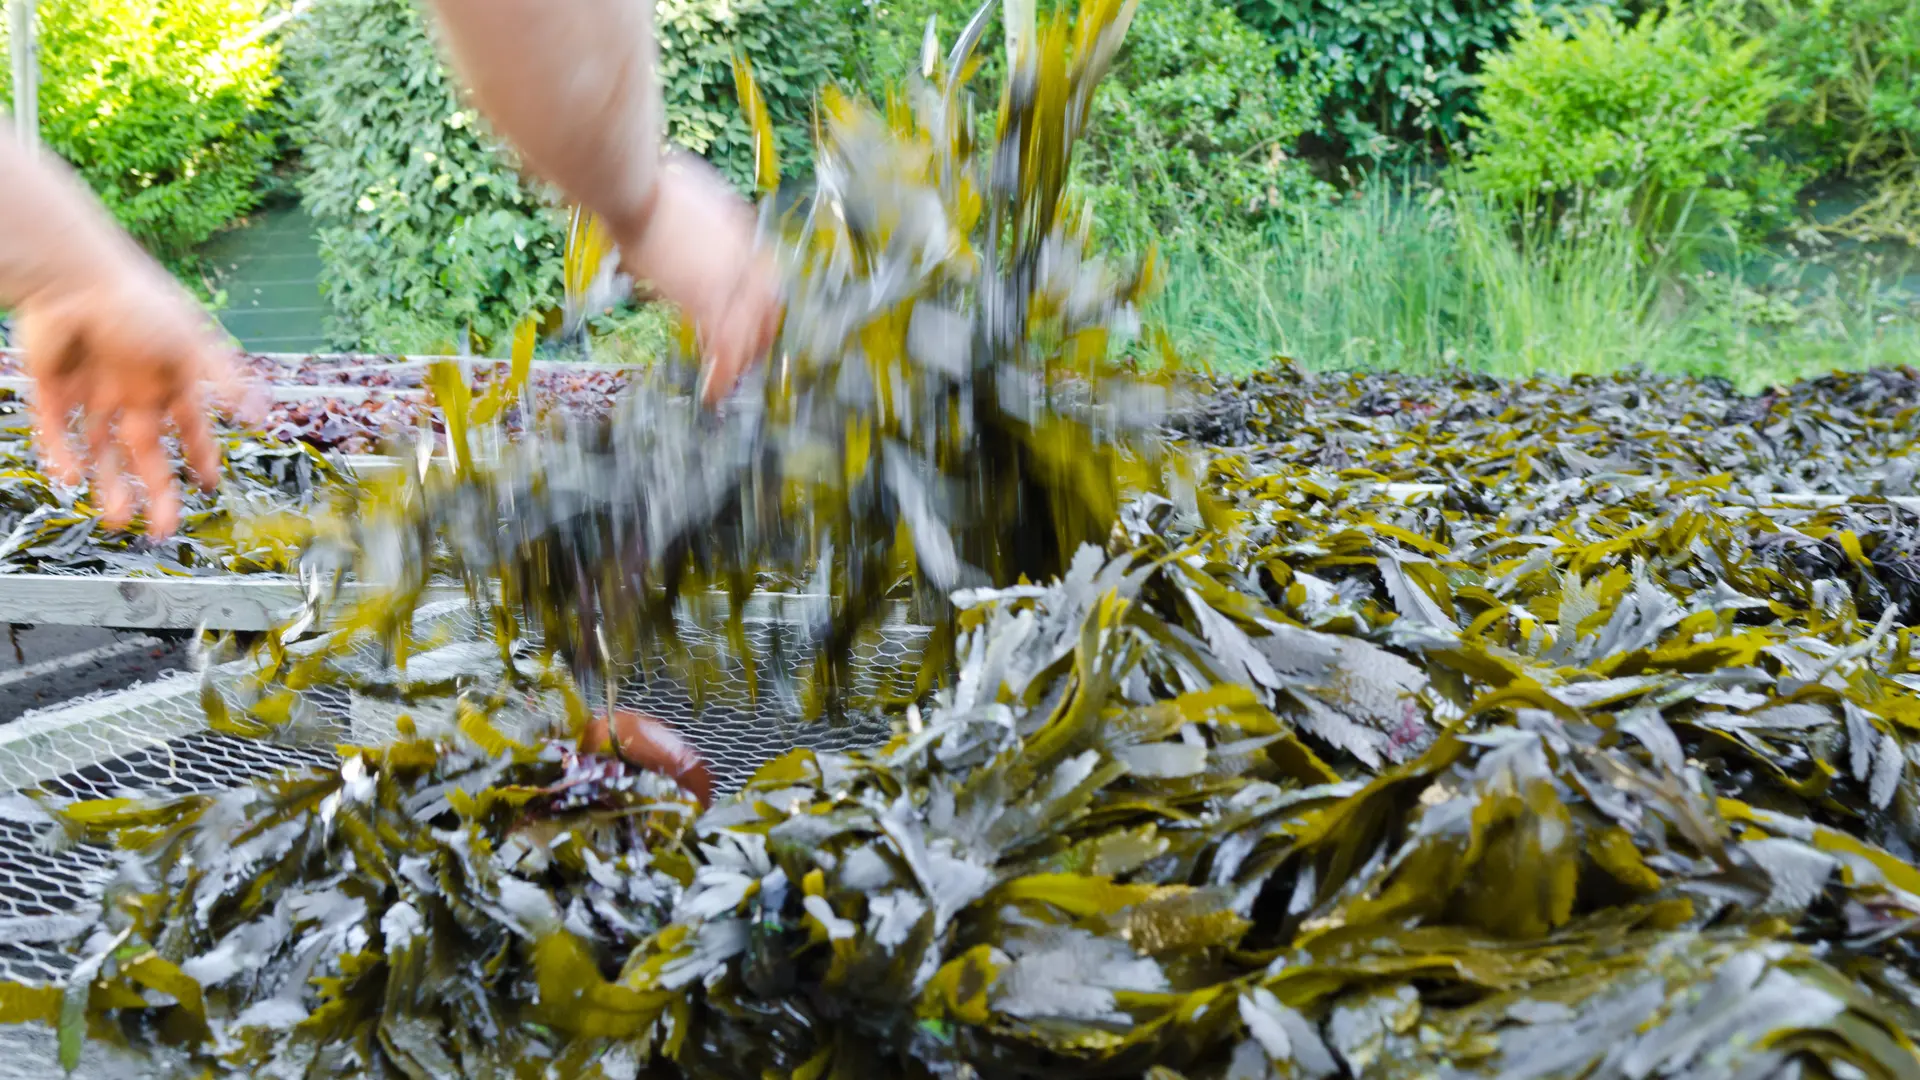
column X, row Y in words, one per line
column 261, row 602
column 254, row 602
column 226, row 602
column 245, row 602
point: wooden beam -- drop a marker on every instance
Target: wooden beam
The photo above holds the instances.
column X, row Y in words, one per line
column 377, row 362
column 255, row 601
column 227, row 602
column 65, row 738
column 22, row 385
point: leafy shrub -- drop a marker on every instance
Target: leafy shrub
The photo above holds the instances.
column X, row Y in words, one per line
column 1196, row 129
column 890, row 34
column 1401, row 71
column 426, row 230
column 794, row 46
column 1854, row 104
column 1659, row 120
column 153, row 109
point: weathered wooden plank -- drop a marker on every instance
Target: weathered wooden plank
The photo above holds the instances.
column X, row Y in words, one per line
column 22, row 385
column 247, row 602
column 374, row 362
column 233, row 602
column 60, row 740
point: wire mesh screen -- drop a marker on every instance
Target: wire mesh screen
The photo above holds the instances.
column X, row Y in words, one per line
column 151, row 741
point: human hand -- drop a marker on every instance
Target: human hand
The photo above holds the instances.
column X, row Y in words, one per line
column 642, row 740
column 695, row 247
column 130, row 350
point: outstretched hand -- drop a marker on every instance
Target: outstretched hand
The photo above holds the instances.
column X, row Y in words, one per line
column 134, row 357
column 696, row 249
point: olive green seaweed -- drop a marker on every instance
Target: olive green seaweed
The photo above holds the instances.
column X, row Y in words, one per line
column 1321, row 726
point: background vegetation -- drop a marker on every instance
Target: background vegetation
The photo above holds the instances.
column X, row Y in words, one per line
column 1727, row 186
column 160, row 108
column 1401, row 72
column 1659, row 122
column 427, row 232
column 1198, row 130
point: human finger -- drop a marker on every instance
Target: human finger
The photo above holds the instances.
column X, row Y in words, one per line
column 110, row 491
column 52, row 414
column 51, row 341
column 196, row 440
column 140, row 434
column 593, row 738
column 236, row 393
column 746, row 329
column 652, row 745
column 718, row 375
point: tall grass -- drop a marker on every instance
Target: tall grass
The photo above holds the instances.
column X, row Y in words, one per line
column 1422, row 280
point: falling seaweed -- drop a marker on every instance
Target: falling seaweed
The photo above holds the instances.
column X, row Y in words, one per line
column 942, row 408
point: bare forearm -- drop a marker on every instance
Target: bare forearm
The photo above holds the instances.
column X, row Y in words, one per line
column 51, row 229
column 572, row 84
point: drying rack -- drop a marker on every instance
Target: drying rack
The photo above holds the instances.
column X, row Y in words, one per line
column 152, row 739
column 259, row 601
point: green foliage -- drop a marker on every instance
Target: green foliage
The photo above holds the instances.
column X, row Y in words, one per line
column 156, row 112
column 426, row 226
column 891, row 32
column 1196, row 129
column 794, row 46
column 1661, row 121
column 1414, row 280
column 1401, row 71
column 426, row 229
column 1854, row 104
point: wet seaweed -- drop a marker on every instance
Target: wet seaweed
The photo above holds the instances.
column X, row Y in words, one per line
column 1389, row 727
column 46, row 527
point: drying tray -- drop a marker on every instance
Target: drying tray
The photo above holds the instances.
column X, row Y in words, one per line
column 152, row 740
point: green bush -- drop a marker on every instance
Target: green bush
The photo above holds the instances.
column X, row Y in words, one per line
column 794, row 46
column 890, row 34
column 1661, row 121
column 426, row 229
column 1854, row 105
column 153, row 109
column 1196, row 129
column 1401, row 71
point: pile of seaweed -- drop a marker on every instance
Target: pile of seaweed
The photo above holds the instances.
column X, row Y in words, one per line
column 1399, row 727
column 1529, row 747
column 46, row 527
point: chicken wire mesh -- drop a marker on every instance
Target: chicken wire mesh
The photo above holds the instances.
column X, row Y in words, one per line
column 152, row 741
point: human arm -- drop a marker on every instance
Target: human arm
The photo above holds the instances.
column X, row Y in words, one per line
column 106, row 330
column 573, row 84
